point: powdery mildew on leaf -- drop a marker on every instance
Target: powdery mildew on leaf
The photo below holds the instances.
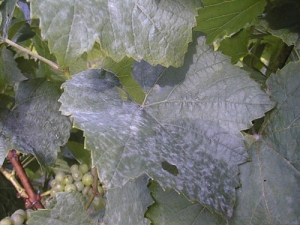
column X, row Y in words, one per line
column 9, row 72
column 127, row 139
column 69, row 209
column 173, row 208
column 212, row 89
column 127, row 205
column 34, row 125
column 270, row 183
column 157, row 31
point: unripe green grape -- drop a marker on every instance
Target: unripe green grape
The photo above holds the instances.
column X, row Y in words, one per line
column 68, row 179
column 70, row 187
column 21, row 212
column 17, row 219
column 53, row 183
column 59, row 187
column 79, row 185
column 60, row 175
column 87, row 179
column 6, row 221
column 77, row 175
column 74, row 168
column 84, row 168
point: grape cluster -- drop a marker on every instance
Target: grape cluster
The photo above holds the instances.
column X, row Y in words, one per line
column 19, row 217
column 78, row 178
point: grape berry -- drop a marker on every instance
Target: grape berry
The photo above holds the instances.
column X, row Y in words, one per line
column 19, row 217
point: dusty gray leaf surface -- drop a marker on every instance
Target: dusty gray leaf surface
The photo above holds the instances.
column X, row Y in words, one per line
column 34, row 125
column 127, row 205
column 192, row 124
column 156, row 31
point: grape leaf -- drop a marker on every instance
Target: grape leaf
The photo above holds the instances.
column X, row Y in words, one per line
column 193, row 125
column 171, row 208
column 157, row 31
column 219, row 19
column 124, row 70
column 146, row 75
column 44, row 69
column 9, row 72
column 208, row 87
column 236, row 46
column 34, row 125
column 7, row 8
column 121, row 202
column 271, row 182
column 290, row 38
column 69, row 209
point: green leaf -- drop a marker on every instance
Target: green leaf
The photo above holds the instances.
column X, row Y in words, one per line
column 9, row 72
column 236, row 46
column 7, row 8
column 127, row 205
column 69, row 209
column 20, row 31
column 34, row 125
column 44, row 69
column 290, row 38
column 193, row 124
column 81, row 154
column 219, row 19
column 171, row 208
column 123, row 69
column 270, row 183
column 156, row 31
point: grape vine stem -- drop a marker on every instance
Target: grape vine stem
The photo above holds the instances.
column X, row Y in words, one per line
column 33, row 199
column 94, row 188
column 19, row 47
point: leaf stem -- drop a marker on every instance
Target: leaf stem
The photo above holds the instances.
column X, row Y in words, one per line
column 50, row 63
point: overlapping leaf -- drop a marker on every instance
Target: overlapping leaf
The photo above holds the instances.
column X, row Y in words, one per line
column 69, row 209
column 219, row 19
column 192, row 124
column 7, row 10
column 271, row 182
column 34, row 125
column 121, row 202
column 157, row 31
column 237, row 46
column 171, row 208
column 9, row 72
column 44, row 69
column 123, row 69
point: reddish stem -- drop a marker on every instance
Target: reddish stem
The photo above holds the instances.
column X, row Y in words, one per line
column 33, row 199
